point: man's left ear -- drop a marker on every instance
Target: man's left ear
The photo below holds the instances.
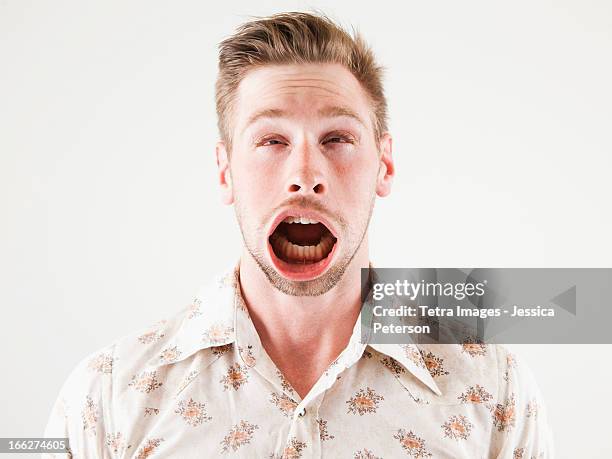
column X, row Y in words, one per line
column 386, row 170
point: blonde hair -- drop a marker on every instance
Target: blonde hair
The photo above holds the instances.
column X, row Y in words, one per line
column 295, row 38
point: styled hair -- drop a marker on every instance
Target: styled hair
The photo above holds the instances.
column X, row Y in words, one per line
column 295, row 38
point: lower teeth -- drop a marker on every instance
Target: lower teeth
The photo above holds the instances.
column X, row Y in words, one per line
column 290, row 252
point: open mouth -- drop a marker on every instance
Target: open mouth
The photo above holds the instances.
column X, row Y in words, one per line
column 302, row 245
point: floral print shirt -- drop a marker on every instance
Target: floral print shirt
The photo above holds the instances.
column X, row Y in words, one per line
column 199, row 384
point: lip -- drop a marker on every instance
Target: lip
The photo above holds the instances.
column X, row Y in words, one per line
column 299, row 272
column 300, row 212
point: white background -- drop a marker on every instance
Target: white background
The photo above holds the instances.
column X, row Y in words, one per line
column 111, row 219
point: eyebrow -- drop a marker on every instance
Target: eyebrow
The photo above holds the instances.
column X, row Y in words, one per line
column 332, row 111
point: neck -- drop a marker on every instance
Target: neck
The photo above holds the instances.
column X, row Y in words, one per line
column 301, row 334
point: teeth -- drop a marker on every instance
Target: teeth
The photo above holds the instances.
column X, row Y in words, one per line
column 301, row 220
column 294, row 252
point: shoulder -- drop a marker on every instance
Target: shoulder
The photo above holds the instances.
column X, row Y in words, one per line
column 88, row 388
column 105, row 395
column 457, row 368
column 135, row 349
column 494, row 377
column 165, row 340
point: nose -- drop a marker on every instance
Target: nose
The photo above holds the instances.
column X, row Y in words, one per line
column 305, row 186
column 307, row 176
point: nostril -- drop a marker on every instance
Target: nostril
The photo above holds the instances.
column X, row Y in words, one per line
column 293, row 188
column 318, row 188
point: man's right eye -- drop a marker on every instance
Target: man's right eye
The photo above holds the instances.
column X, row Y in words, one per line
column 271, row 142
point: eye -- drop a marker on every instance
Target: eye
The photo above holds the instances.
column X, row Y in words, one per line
column 270, row 142
column 339, row 138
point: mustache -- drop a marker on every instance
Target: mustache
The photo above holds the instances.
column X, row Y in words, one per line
column 307, row 203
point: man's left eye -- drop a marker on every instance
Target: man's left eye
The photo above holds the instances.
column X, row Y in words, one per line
column 338, row 139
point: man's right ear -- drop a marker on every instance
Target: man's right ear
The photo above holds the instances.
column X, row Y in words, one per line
column 225, row 176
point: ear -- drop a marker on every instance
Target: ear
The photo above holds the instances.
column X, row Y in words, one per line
column 225, row 176
column 386, row 170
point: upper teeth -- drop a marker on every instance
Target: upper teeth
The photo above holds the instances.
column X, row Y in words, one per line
column 302, row 220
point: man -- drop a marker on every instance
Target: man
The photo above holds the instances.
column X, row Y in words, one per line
column 267, row 361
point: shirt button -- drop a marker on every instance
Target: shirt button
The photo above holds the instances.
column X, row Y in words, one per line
column 302, row 413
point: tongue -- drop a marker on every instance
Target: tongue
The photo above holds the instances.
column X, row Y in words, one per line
column 304, row 234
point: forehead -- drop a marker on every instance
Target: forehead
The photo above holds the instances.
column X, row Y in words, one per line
column 300, row 90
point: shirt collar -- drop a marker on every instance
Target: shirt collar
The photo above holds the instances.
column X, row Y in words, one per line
column 207, row 322
column 408, row 355
column 211, row 320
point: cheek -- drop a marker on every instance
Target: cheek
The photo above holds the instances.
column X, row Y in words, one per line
column 357, row 178
column 251, row 180
column 252, row 189
column 257, row 168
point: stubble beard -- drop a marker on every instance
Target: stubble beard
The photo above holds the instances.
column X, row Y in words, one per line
column 313, row 287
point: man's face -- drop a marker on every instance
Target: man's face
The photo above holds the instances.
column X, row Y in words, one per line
column 305, row 168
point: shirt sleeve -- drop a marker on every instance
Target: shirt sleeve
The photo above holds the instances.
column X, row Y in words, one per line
column 520, row 415
column 80, row 412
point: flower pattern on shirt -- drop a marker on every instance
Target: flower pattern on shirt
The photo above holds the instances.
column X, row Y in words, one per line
column 153, row 335
column 194, row 413
column 474, row 347
column 504, row 414
column 102, row 363
column 145, row 382
column 284, row 383
column 414, row 355
column 90, row 415
column 247, row 355
column 235, row 377
column 475, row 394
column 115, row 443
column 148, row 448
column 240, row 435
column 223, row 349
column 284, row 403
column 532, row 408
column 169, row 355
column 323, row 434
column 414, row 445
column 393, row 366
column 200, row 381
column 293, row 450
column 364, row 401
column 510, row 364
column 365, row 454
column 194, row 309
column 151, row 411
column 434, row 364
column 457, row 427
column 217, row 333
